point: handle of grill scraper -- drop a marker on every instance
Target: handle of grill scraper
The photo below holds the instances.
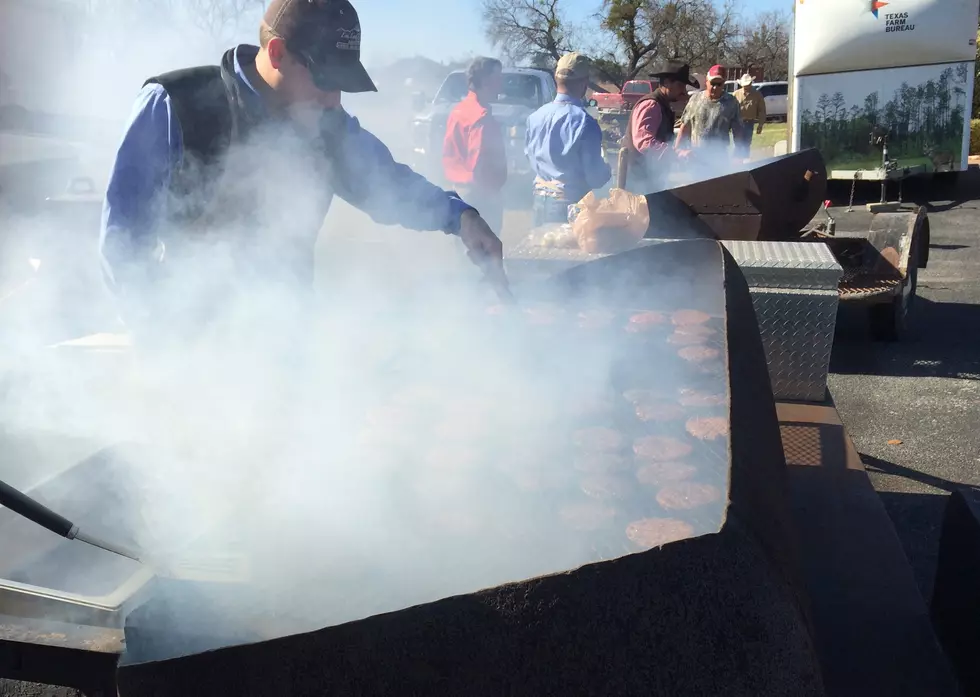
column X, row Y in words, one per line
column 622, row 167
column 25, row 506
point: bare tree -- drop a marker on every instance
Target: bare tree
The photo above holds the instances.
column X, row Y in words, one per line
column 221, row 19
column 645, row 31
column 531, row 31
column 764, row 44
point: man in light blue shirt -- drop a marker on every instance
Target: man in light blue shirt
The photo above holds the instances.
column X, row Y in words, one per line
column 564, row 145
column 226, row 172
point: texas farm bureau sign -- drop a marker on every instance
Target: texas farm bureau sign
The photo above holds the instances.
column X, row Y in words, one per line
column 894, row 21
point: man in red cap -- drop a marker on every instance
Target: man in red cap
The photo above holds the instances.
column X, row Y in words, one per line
column 712, row 116
column 226, row 172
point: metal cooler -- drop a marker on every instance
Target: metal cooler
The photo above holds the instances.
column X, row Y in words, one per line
column 794, row 292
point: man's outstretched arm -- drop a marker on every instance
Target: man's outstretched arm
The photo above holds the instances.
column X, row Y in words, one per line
column 393, row 194
column 151, row 145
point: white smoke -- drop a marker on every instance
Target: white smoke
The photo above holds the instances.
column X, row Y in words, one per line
column 361, row 454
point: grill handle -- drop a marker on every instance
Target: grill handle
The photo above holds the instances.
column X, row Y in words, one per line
column 29, row 508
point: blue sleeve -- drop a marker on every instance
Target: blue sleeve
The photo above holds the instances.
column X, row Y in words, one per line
column 527, row 138
column 392, row 193
column 596, row 169
column 150, row 147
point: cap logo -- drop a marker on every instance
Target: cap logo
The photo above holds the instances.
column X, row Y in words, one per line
column 350, row 39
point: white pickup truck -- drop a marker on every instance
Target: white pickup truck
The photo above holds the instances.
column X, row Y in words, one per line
column 524, row 90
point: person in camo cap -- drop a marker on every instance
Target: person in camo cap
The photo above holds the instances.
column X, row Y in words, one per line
column 712, row 116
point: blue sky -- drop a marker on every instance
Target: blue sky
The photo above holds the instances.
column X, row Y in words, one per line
column 443, row 29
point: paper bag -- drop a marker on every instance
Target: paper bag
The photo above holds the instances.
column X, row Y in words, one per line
column 613, row 224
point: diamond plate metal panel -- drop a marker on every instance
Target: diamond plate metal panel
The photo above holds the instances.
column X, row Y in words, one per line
column 797, row 328
column 799, row 265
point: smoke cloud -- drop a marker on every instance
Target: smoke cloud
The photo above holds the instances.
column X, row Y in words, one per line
column 381, row 442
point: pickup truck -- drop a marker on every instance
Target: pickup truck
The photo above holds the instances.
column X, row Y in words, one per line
column 631, row 93
column 524, row 90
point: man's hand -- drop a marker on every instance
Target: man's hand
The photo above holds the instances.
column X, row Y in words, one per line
column 758, row 129
column 484, row 249
column 683, row 154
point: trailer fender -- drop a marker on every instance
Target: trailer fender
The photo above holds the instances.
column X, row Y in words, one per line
column 897, row 236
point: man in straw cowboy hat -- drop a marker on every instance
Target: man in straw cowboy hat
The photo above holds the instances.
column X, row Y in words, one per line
column 649, row 139
column 752, row 106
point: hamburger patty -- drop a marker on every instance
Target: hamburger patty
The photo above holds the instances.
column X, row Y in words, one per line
column 606, row 486
column 685, row 495
column 657, row 473
column 696, row 398
column 694, row 330
column 587, row 515
column 598, row 439
column 707, row 427
column 648, row 533
column 683, row 339
column 592, row 406
column 642, row 321
column 661, row 448
column 659, row 411
column 698, row 354
column 683, row 317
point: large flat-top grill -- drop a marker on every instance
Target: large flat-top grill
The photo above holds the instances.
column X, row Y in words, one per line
column 596, row 616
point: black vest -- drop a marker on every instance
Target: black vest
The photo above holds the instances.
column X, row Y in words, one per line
column 221, row 193
column 665, row 132
column 204, row 107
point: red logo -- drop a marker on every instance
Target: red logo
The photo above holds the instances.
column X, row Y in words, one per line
column 875, row 6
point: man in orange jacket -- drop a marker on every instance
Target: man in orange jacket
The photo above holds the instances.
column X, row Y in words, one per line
column 474, row 158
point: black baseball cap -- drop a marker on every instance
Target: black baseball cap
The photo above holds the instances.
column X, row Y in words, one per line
column 326, row 36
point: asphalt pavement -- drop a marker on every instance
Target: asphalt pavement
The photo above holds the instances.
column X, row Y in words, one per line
column 925, row 390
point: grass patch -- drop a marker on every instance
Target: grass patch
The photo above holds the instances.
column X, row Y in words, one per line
column 771, row 134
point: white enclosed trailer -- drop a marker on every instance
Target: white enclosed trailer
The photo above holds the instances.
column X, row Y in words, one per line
column 899, row 74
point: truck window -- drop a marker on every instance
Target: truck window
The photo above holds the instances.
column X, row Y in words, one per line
column 518, row 88
column 774, row 90
column 521, row 89
column 636, row 88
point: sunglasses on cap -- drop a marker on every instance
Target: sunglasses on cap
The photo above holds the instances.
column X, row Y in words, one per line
column 321, row 78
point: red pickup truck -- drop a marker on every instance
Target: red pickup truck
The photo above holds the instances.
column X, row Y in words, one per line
column 629, row 96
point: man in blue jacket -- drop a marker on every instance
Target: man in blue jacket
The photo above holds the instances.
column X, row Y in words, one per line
column 225, row 174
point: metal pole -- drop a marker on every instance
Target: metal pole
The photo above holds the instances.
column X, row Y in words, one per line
column 884, row 169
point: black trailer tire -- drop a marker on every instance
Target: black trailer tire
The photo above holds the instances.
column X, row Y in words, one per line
column 891, row 321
